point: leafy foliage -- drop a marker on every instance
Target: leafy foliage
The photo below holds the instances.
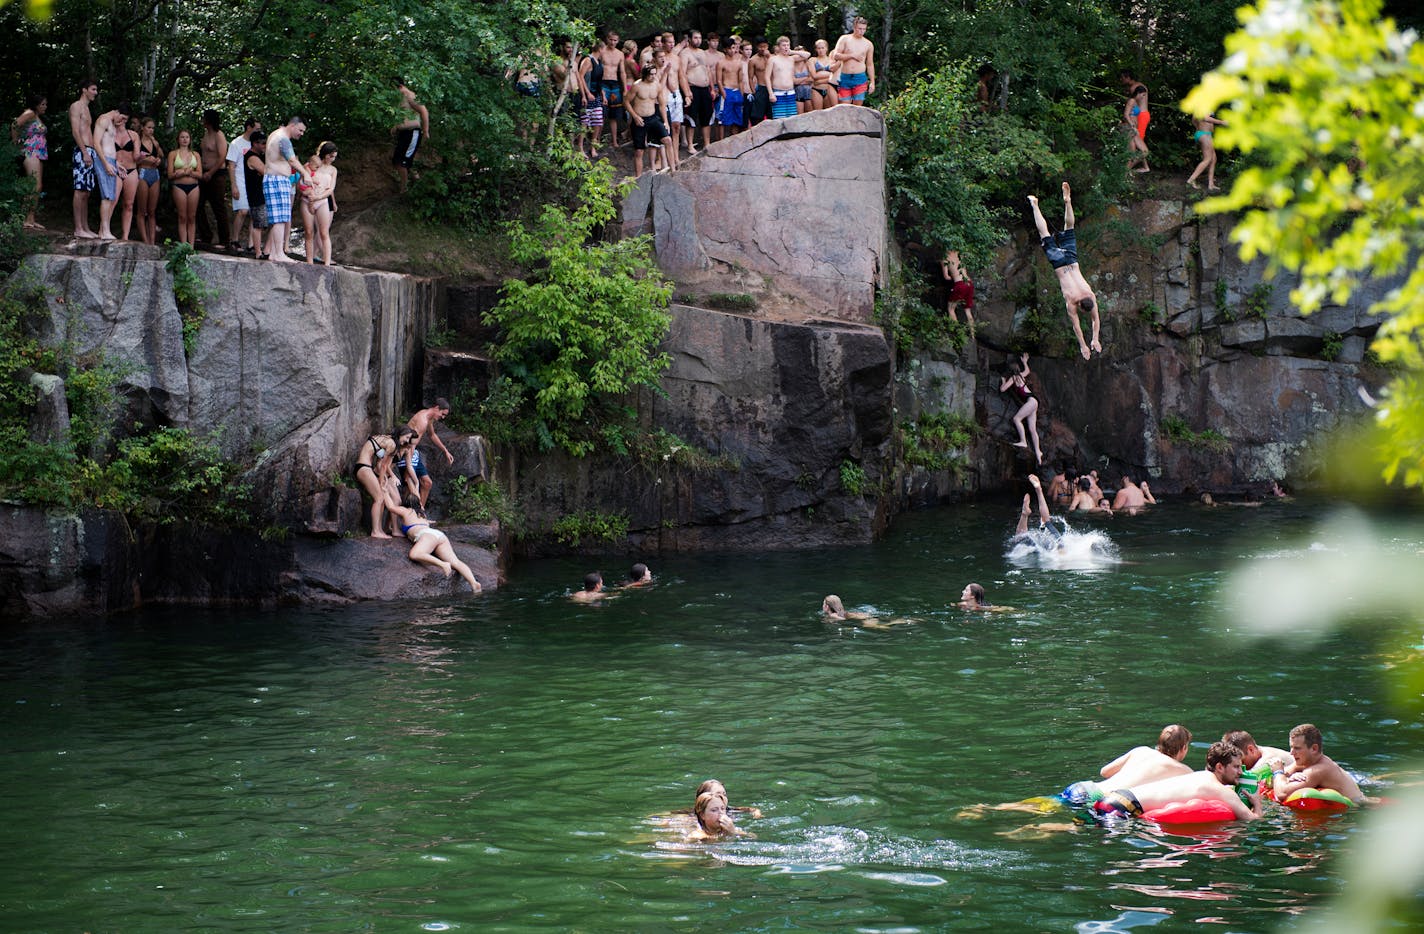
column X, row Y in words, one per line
column 938, row 441
column 190, row 292
column 853, row 478
column 574, row 528
column 583, row 327
column 1176, row 429
column 1324, row 96
column 473, row 501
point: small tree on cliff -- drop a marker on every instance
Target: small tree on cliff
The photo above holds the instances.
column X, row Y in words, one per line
column 1325, row 98
column 583, row 327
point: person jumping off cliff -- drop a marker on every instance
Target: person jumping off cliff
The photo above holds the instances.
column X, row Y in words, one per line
column 1062, row 251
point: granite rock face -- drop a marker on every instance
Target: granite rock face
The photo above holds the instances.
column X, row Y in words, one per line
column 781, row 407
column 793, row 206
column 292, row 368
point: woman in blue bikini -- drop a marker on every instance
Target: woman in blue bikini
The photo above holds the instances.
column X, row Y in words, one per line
column 1202, row 135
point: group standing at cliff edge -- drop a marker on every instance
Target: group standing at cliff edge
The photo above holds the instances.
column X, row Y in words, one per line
column 252, row 185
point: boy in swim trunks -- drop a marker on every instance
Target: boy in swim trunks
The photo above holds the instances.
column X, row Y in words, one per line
column 81, row 125
column 1062, row 252
column 408, row 133
column 781, row 76
column 856, row 55
column 1217, row 782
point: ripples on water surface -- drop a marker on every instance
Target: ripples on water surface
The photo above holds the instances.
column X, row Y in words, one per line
column 497, row 763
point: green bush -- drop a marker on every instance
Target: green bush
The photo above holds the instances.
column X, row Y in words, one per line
column 475, row 501
column 582, row 329
column 190, row 292
column 572, row 529
column 1176, row 430
column 937, row 442
column 853, row 478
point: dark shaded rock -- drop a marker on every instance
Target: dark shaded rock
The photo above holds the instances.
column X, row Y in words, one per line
column 787, row 403
column 354, row 569
column 53, row 564
column 447, row 372
column 334, row 511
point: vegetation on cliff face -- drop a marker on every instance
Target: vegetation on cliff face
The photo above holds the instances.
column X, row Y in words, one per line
column 1324, row 99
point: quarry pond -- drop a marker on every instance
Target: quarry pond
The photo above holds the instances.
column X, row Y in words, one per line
column 506, row 762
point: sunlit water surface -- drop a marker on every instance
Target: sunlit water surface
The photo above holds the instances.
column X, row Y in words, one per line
column 497, row 763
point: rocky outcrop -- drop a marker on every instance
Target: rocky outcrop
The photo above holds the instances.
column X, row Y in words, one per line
column 778, row 409
column 1191, row 333
column 793, row 207
column 292, row 367
column 53, row 564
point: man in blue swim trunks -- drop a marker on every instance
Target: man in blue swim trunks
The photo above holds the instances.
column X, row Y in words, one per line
column 1062, row 251
column 781, row 76
column 856, row 55
column 422, row 422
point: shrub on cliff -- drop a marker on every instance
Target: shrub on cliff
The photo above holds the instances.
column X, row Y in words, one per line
column 582, row 328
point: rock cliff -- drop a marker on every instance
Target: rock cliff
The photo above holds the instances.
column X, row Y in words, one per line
column 791, row 208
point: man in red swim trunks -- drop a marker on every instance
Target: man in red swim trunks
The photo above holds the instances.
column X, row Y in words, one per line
column 961, row 289
column 856, row 55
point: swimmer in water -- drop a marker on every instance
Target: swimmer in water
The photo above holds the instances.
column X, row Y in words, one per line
column 638, row 576
column 714, row 820
column 717, row 787
column 833, row 609
column 1044, row 519
column 592, row 589
column 972, row 598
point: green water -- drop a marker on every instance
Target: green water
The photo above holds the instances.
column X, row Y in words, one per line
column 493, row 764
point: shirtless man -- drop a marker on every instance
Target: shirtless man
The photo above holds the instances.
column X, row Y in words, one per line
column 421, row 423
column 1311, row 768
column 1083, row 499
column 670, row 68
column 409, row 133
column 1132, row 497
column 1062, row 251
column 1138, row 766
column 961, row 289
column 759, row 101
column 856, row 55
column 612, row 59
column 213, row 184
column 81, row 126
column 280, row 165
column 1257, row 762
column 698, row 78
column 732, row 79
column 107, row 172
column 592, row 589
column 647, row 111
column 781, row 71
column 1217, row 782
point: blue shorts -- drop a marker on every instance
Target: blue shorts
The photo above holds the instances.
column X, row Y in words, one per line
column 1061, row 248
column 108, row 180
column 730, row 113
column 277, row 195
column 417, row 464
column 783, row 104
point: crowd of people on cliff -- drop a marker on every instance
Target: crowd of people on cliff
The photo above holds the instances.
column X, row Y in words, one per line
column 252, row 186
column 683, row 94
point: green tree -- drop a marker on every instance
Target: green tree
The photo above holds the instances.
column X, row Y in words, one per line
column 583, row 327
column 1324, row 98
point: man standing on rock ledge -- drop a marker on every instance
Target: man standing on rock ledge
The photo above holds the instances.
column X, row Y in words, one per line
column 1062, row 251
column 781, row 77
column 421, row 422
column 282, row 164
column 856, row 55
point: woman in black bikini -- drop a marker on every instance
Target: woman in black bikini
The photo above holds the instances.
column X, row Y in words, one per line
column 372, row 467
column 823, row 92
column 1015, row 382
column 184, row 171
column 150, row 160
column 126, row 155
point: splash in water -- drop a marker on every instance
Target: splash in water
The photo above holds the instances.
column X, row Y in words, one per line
column 1057, row 545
